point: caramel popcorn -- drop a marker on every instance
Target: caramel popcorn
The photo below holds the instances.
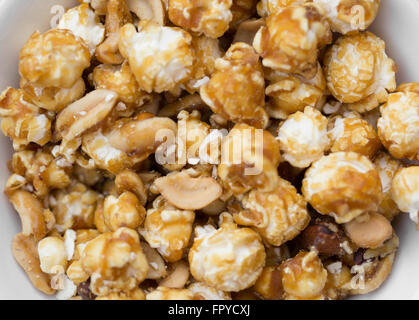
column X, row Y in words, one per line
column 22, row 121
column 257, row 168
column 353, row 134
column 349, row 15
column 163, row 293
column 267, row 7
column 160, row 57
column 398, row 126
column 52, row 255
column 115, row 262
column 204, row 292
column 236, row 88
column 405, row 191
column 343, row 185
column 279, row 215
column 303, row 137
column 84, row 23
column 209, row 17
column 168, row 229
column 291, row 38
column 289, row 93
column 228, row 258
column 55, row 58
column 359, row 72
column 387, row 168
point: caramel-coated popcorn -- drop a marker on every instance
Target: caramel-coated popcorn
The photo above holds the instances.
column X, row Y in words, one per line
column 359, row 72
column 291, row 38
column 228, row 258
column 343, row 185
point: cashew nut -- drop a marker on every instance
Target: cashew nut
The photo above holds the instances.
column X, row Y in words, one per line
column 178, row 276
column 370, row 233
column 128, row 180
column 247, row 30
column 30, row 211
column 26, row 254
column 188, row 193
column 157, row 267
column 117, row 15
column 188, row 103
column 148, row 10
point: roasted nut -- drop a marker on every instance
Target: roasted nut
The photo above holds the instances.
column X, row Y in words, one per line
column 405, row 191
column 236, row 88
column 188, row 193
column 177, row 277
column 84, row 292
column 84, row 23
column 359, row 72
column 303, row 137
column 279, row 215
column 52, row 255
column 26, row 254
column 158, row 65
column 117, row 15
column 349, row 15
column 168, row 229
column 269, row 284
column 267, row 7
column 202, row 291
column 128, row 180
column 188, row 103
column 291, row 38
column 289, row 93
column 398, row 127
column 343, row 185
column 245, row 163
column 55, row 58
column 387, row 168
column 120, row 80
column 162, row 293
column 124, row 211
column 209, row 17
column 30, row 211
column 148, row 10
column 303, row 277
column 115, row 262
column 369, row 232
column 353, row 134
column 246, row 30
column 338, row 279
column 156, row 264
column 22, row 121
column 228, row 259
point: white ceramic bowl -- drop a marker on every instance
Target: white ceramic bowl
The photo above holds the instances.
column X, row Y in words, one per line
column 397, row 23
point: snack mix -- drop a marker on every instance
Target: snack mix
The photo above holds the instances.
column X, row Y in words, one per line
column 210, row 149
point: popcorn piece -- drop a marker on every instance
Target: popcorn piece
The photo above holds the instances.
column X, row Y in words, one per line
column 266, row 7
column 359, row 72
column 209, row 17
column 343, row 185
column 387, row 168
column 120, row 80
column 348, row 15
column 204, row 292
column 236, row 88
column 405, row 190
column 124, row 211
column 291, row 38
column 98, row 5
column 163, row 293
column 249, row 159
column 115, row 262
column 74, row 207
column 135, row 294
column 279, row 216
column 228, row 259
column 55, row 58
column 303, row 277
column 22, row 121
column 52, row 255
column 160, row 57
column 84, row 23
column 168, row 229
column 303, row 137
column 354, row 134
column 398, row 127
column 289, row 93
column 269, row 284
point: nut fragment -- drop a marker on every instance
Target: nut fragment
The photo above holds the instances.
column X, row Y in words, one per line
column 128, row 180
column 370, row 233
column 156, row 264
column 26, row 254
column 178, row 276
column 246, row 30
column 269, row 284
column 189, row 193
column 148, row 10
